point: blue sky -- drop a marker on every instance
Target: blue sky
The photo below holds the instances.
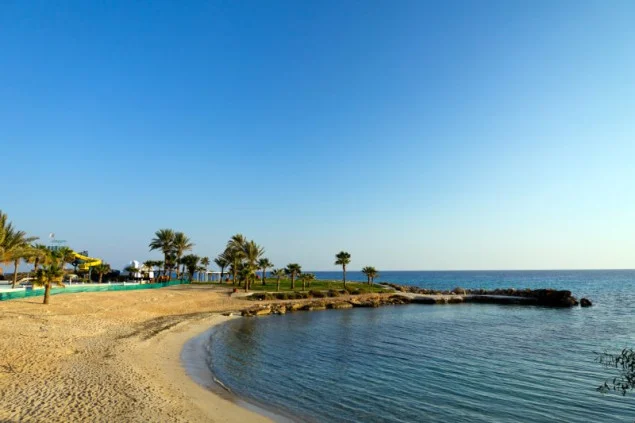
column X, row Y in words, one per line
column 413, row 134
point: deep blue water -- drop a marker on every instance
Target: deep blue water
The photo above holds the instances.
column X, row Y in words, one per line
column 439, row 363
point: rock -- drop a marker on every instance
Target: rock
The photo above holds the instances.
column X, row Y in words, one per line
column 458, row 291
column 585, row 302
column 342, row 305
column 314, row 306
column 263, row 311
column 294, row 307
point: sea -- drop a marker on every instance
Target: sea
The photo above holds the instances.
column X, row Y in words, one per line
column 437, row 363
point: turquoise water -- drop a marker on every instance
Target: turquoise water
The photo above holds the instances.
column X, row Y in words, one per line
column 445, row 363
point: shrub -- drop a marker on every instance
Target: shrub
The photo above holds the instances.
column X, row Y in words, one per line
column 317, row 294
column 333, row 293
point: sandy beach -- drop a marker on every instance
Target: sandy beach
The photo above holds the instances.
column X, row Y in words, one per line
column 111, row 356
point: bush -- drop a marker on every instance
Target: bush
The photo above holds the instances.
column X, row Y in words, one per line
column 333, row 293
column 317, row 294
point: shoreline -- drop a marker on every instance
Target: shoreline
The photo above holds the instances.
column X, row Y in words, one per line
column 193, row 360
column 165, row 353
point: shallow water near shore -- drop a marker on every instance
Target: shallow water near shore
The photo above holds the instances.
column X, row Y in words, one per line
column 461, row 363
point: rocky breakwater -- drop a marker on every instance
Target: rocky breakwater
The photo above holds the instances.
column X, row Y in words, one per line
column 539, row 297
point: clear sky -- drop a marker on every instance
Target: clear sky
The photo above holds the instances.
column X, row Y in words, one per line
column 413, row 134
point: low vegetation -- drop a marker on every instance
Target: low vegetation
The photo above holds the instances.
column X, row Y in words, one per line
column 319, row 289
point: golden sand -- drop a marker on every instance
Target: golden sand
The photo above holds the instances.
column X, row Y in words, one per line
column 110, row 357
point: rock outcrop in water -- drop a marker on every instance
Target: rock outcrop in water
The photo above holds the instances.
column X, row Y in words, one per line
column 585, row 302
column 542, row 297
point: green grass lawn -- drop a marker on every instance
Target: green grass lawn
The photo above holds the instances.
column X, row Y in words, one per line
column 316, row 285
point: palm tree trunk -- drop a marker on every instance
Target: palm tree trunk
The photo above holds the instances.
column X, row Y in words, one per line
column 368, row 280
column 303, row 284
column 47, row 293
column 15, row 273
column 344, row 275
column 278, row 284
column 264, row 272
column 101, row 275
column 222, row 273
column 292, row 281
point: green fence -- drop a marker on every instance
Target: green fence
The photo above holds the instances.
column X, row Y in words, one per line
column 71, row 289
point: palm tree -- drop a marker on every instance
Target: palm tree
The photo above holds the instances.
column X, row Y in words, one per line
column 163, row 240
column 64, row 255
column 371, row 273
column 48, row 275
column 159, row 265
column 40, row 254
column 236, row 242
column 222, row 262
column 245, row 273
column 132, row 271
column 16, row 254
column 278, row 273
column 235, row 261
column 235, row 253
column 181, row 244
column 190, row 262
column 343, row 258
column 6, row 230
column 148, row 266
column 306, row 277
column 264, row 264
column 101, row 270
column 252, row 253
column 293, row 269
column 16, row 246
column 205, row 265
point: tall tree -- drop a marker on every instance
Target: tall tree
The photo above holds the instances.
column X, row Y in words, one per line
column 236, row 258
column 222, row 261
column 371, row 273
column 47, row 276
column 163, row 240
column 190, row 262
column 132, row 271
column 293, row 270
column 6, row 231
column 15, row 247
column 235, row 253
column 264, row 264
column 64, row 255
column 149, row 266
column 40, row 254
column 343, row 258
column 253, row 252
column 278, row 274
column 181, row 244
column 306, row 278
column 101, row 270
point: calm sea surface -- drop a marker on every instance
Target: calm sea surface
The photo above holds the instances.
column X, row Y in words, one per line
column 438, row 363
